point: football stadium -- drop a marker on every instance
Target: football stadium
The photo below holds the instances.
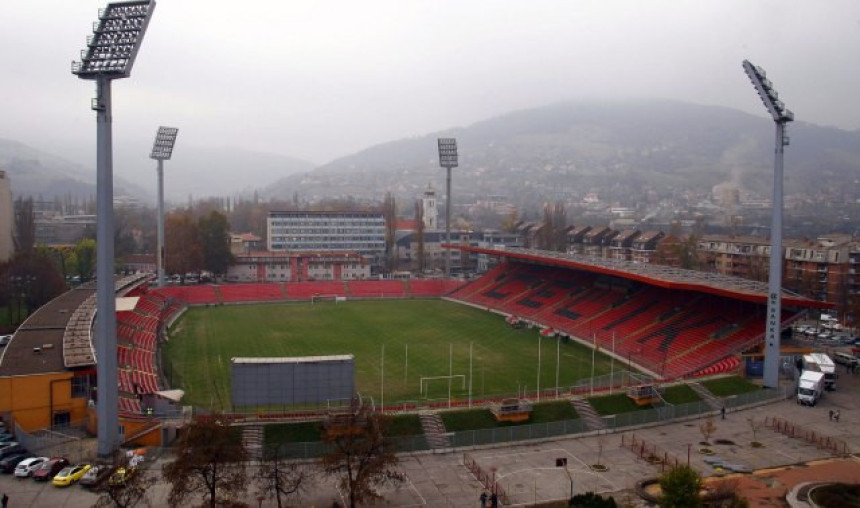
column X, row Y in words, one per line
column 538, row 325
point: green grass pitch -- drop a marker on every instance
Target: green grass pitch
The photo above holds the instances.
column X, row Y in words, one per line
column 504, row 359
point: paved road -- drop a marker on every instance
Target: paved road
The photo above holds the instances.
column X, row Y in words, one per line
column 527, row 472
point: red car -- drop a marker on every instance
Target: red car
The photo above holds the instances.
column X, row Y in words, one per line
column 49, row 469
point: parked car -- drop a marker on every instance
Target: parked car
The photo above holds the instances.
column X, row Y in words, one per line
column 26, row 467
column 15, row 448
column 8, row 464
column 5, row 437
column 4, row 339
column 70, row 474
column 49, row 469
column 7, row 444
column 96, row 475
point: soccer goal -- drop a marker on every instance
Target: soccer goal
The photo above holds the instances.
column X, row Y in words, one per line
column 425, row 381
column 327, row 298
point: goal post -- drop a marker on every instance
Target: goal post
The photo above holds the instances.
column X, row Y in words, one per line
column 327, row 298
column 427, row 379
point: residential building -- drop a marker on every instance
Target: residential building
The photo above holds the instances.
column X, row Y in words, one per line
column 740, row 256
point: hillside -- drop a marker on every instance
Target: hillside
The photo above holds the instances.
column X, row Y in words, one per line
column 618, row 149
column 193, row 170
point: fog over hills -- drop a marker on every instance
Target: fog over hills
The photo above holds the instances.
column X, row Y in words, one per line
column 193, row 171
column 560, row 151
column 617, row 149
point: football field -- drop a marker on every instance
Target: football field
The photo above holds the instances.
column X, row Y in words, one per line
column 407, row 340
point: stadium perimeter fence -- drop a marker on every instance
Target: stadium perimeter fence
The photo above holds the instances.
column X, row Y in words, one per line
column 515, row 433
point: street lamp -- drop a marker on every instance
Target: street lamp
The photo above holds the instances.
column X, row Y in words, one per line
column 448, row 160
column 162, row 149
column 109, row 55
column 781, row 116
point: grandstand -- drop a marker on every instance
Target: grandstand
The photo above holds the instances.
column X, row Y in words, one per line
column 668, row 321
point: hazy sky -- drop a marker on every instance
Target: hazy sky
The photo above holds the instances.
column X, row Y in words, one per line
column 319, row 79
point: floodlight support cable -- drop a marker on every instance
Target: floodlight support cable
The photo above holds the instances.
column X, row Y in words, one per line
column 106, row 353
column 160, row 254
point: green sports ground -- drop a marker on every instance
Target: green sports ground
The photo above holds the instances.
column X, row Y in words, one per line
column 407, row 340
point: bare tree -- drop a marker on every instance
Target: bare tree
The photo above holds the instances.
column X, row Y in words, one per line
column 361, row 457
column 281, row 479
column 419, row 235
column 210, row 463
column 755, row 426
column 129, row 492
column 707, row 428
column 389, row 213
column 25, row 226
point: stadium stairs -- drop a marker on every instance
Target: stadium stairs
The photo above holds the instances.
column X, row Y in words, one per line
column 252, row 441
column 434, row 431
column 713, row 401
column 589, row 416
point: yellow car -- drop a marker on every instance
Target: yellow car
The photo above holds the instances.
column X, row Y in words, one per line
column 70, row 475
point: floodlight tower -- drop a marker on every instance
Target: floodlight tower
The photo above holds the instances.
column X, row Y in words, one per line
column 109, row 55
column 781, row 116
column 162, row 149
column 448, row 160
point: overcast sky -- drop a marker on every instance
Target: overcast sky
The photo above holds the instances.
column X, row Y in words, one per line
column 319, row 79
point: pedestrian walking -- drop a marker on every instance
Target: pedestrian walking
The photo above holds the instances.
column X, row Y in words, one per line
column 836, row 416
column 494, row 501
column 483, row 499
column 830, row 415
column 4, row 501
column 723, row 412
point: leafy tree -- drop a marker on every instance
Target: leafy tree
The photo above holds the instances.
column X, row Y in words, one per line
column 281, row 479
column 83, row 259
column 361, row 457
column 132, row 492
column 30, row 280
column 680, row 488
column 215, row 242
column 183, row 252
column 210, row 463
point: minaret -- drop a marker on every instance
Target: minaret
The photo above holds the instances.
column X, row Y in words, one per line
column 431, row 215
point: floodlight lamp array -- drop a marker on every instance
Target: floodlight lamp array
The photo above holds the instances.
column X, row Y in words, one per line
column 112, row 48
column 448, row 152
column 767, row 93
column 165, row 138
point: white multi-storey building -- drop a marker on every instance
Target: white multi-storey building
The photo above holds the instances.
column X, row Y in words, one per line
column 307, row 231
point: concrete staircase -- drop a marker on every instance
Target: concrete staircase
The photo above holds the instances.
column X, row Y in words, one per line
column 434, row 431
column 710, row 399
column 592, row 420
column 252, row 440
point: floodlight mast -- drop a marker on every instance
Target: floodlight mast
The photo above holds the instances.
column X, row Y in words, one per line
column 448, row 159
column 162, row 150
column 110, row 54
column 781, row 116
